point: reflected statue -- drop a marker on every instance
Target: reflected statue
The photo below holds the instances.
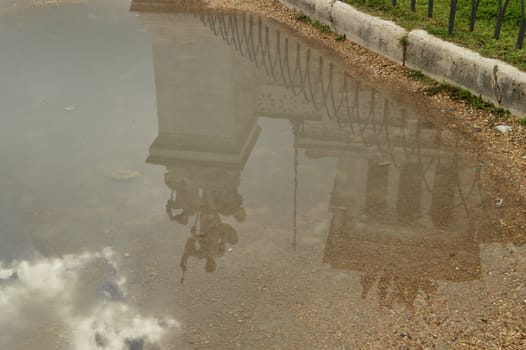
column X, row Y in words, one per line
column 208, row 240
column 207, row 198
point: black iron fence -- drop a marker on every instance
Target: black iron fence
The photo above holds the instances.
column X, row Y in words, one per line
column 501, row 8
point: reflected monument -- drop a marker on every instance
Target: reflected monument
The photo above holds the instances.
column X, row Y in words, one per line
column 402, row 203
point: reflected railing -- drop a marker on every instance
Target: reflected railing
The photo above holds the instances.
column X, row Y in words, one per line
column 361, row 110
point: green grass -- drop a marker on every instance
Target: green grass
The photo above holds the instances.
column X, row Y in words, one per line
column 303, row 18
column 522, row 121
column 418, row 75
column 480, row 40
column 340, row 37
column 458, row 94
column 325, row 29
column 316, row 24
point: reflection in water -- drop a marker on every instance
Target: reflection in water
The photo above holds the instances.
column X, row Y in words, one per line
column 60, row 291
column 260, row 143
column 402, row 203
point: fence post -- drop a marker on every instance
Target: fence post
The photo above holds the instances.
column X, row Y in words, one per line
column 500, row 17
column 520, row 38
column 452, row 14
column 474, row 8
column 430, row 5
column 413, row 5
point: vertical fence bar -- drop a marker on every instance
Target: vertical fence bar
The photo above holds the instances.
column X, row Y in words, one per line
column 473, row 18
column 522, row 28
column 452, row 14
column 413, row 5
column 394, row 2
column 500, row 17
column 430, row 5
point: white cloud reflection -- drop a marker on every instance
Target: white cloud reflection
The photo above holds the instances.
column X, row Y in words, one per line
column 84, row 294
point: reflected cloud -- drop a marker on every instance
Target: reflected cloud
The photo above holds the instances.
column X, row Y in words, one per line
column 60, row 291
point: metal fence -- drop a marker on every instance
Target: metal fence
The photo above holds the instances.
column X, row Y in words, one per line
column 502, row 7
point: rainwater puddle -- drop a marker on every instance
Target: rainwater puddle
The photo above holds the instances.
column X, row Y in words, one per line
column 197, row 180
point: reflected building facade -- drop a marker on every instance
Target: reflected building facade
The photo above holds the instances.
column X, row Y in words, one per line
column 401, row 203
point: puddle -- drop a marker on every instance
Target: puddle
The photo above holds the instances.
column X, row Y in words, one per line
column 222, row 183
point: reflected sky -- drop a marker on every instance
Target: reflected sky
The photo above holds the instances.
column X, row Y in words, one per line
column 202, row 180
column 80, row 297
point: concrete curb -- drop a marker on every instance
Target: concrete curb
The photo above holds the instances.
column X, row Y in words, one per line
column 378, row 35
column 493, row 80
column 319, row 10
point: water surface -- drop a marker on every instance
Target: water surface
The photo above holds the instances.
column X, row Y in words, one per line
column 195, row 180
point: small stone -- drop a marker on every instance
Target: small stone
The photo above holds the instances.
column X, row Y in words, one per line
column 169, row 323
column 503, row 129
column 69, row 108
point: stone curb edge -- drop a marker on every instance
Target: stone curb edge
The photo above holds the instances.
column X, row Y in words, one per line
column 494, row 80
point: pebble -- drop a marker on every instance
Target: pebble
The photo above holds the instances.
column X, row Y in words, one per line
column 503, row 129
